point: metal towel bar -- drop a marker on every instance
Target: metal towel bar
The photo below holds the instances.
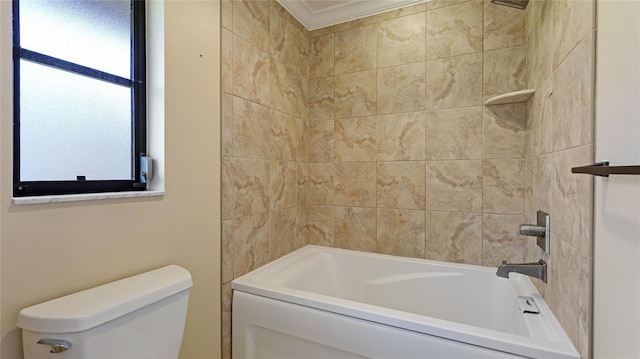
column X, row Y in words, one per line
column 603, row 169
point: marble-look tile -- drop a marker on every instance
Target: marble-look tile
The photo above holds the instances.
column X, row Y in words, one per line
column 539, row 42
column 320, row 141
column 279, row 10
column 585, row 295
column 283, row 185
column 250, row 186
column 302, row 232
column 226, row 124
column 542, row 179
column 528, row 136
column 504, row 128
column 503, row 26
column 288, row 43
column 355, row 139
column 355, row 49
column 533, row 14
column 401, row 232
column 302, row 177
column 436, row 4
column 289, row 92
column 226, row 296
column 322, row 31
column 503, row 186
column 250, row 72
column 528, row 196
column 573, row 97
column 454, row 82
column 321, row 57
column 301, row 150
column 300, row 144
column 301, row 238
column 320, row 225
column 287, row 136
column 226, row 61
column 454, row 186
column 226, row 14
column 355, row 94
column 400, row 137
column 501, row 240
column 227, row 188
column 563, row 289
column 251, row 21
column 504, row 71
column 355, row 184
column 552, row 290
column 454, row 134
column 401, row 40
column 454, row 30
column 401, row 185
column 355, row 228
column 573, row 199
column 355, row 23
column 226, row 272
column 250, row 243
column 226, row 352
column 283, row 233
column 321, row 93
column 401, row 88
column 403, row 11
column 304, row 148
column 251, row 132
column 320, row 183
column 541, row 118
column 454, row 237
column 572, row 20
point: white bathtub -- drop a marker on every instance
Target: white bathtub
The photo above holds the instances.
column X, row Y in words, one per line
column 322, row 302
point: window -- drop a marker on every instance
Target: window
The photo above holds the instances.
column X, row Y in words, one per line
column 79, row 96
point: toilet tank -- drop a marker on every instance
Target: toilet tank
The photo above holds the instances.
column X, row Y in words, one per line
column 137, row 317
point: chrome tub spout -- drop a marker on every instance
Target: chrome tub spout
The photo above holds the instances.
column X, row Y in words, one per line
column 534, row 269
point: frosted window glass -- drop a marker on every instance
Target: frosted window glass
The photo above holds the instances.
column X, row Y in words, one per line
column 95, row 33
column 71, row 125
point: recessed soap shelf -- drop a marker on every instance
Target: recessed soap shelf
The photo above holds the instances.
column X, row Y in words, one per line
column 511, row 97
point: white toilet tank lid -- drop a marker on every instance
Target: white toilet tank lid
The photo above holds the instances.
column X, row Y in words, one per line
column 92, row 307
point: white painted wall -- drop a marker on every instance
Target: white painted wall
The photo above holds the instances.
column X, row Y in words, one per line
column 617, row 198
column 54, row 249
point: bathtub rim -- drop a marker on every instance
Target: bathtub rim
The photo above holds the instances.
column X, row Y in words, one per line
column 489, row 338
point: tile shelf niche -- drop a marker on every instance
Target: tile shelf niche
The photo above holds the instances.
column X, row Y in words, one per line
column 511, row 97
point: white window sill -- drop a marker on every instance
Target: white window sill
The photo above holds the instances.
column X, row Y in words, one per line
column 85, row 197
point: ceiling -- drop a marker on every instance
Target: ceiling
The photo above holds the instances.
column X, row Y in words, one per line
column 316, row 14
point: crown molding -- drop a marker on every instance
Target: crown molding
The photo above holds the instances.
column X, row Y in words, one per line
column 341, row 12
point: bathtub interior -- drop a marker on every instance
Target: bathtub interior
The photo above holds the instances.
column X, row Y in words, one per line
column 456, row 302
column 461, row 294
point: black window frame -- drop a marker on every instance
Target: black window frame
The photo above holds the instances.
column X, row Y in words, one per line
column 138, row 116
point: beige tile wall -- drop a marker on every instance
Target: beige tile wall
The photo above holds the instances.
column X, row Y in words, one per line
column 404, row 159
column 265, row 60
column 560, row 120
column 372, row 135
